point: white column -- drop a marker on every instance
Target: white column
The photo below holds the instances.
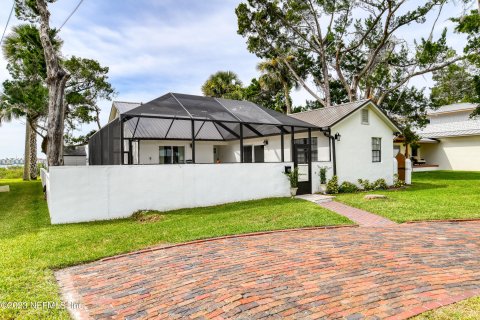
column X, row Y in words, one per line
column 408, row 171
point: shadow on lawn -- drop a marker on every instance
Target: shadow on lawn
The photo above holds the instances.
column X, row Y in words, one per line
column 416, row 186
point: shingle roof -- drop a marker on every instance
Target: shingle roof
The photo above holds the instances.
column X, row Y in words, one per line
column 453, row 108
column 327, row 117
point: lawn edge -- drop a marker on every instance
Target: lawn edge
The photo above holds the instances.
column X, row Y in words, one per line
column 442, row 220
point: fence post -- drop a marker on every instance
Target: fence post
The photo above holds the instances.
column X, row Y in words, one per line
column 408, row 171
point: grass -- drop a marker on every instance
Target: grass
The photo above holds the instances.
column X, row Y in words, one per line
column 433, row 195
column 466, row 310
column 31, row 248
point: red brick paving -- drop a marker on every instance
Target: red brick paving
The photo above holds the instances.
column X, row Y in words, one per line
column 363, row 218
column 353, row 273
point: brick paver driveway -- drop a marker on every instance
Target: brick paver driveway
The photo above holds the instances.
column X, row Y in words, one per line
column 349, row 272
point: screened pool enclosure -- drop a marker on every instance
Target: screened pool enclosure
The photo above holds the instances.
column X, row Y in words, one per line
column 192, row 119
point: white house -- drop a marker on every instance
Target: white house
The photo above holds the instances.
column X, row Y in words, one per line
column 180, row 151
column 451, row 140
column 353, row 139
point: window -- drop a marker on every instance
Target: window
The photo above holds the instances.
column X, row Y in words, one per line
column 259, row 153
column 376, row 149
column 303, row 157
column 172, row 154
column 247, row 154
column 365, row 116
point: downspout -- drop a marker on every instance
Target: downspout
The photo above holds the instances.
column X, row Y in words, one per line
column 328, row 134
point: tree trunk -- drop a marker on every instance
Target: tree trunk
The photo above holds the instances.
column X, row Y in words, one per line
column 33, row 150
column 26, row 157
column 288, row 101
column 56, row 80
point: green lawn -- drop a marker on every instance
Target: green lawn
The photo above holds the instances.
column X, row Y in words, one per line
column 465, row 310
column 31, row 247
column 433, row 195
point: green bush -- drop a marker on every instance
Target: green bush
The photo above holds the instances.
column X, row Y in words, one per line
column 332, row 185
column 366, row 185
column 397, row 183
column 380, row 184
column 11, row 172
column 347, row 187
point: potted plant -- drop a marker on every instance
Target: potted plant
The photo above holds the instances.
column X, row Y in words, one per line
column 323, row 179
column 292, row 176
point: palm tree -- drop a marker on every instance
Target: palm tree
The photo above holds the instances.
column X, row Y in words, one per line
column 223, row 84
column 25, row 95
column 274, row 74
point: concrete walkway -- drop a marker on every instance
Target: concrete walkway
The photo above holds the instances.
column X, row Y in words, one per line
column 345, row 273
column 360, row 217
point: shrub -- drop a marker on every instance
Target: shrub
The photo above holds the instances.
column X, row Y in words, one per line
column 347, row 187
column 323, row 174
column 293, row 177
column 397, row 183
column 332, row 185
column 366, row 185
column 380, row 184
column 15, row 172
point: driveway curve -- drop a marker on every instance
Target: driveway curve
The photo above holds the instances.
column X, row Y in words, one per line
column 354, row 273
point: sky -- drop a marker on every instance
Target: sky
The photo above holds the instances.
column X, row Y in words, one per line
column 157, row 46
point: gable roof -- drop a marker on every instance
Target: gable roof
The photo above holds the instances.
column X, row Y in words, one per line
column 330, row 116
column 121, row 107
column 456, row 107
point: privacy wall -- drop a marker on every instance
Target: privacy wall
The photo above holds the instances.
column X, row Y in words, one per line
column 80, row 194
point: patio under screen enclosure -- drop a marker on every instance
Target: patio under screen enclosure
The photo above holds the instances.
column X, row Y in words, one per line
column 186, row 129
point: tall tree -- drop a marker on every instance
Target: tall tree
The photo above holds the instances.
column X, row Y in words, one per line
column 455, row 84
column 25, row 92
column 57, row 76
column 223, row 84
column 368, row 56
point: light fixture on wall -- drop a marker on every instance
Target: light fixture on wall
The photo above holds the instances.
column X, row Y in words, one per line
column 265, row 142
column 337, row 136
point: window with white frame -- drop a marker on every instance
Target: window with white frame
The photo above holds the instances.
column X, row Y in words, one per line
column 365, row 116
column 376, row 149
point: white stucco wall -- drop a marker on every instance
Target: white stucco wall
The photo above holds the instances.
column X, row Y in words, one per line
column 354, row 151
column 78, row 194
column 456, row 153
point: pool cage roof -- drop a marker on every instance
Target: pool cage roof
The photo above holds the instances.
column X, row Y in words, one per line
column 177, row 116
column 174, row 115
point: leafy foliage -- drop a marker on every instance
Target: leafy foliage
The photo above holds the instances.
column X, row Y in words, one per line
column 223, row 84
column 380, row 184
column 455, row 84
column 347, row 187
column 367, row 57
column 322, row 172
column 292, row 176
column 332, row 185
column 366, row 185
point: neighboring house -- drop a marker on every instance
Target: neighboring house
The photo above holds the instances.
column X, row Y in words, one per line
column 451, row 141
column 354, row 140
column 74, row 156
